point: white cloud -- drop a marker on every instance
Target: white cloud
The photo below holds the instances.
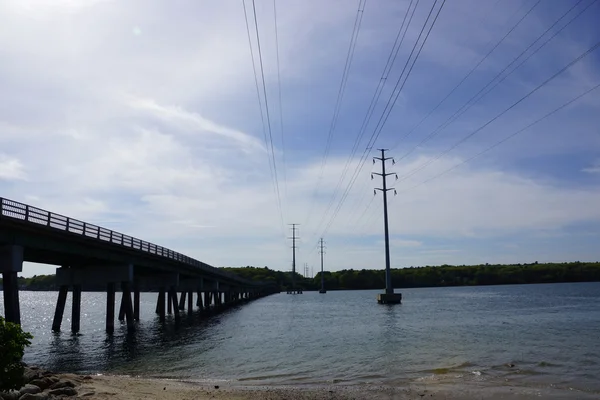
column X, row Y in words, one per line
column 593, row 169
column 11, row 168
column 189, row 121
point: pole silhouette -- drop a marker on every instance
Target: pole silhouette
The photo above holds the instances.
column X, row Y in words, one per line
column 322, row 251
column 388, row 274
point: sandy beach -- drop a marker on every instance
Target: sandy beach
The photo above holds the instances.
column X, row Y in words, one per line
column 131, row 388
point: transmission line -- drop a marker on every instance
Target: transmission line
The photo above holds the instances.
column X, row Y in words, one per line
column 280, row 103
column 269, row 140
column 468, row 74
column 479, row 96
column 340, row 96
column 389, row 106
column 498, row 143
column 470, row 135
column 382, row 80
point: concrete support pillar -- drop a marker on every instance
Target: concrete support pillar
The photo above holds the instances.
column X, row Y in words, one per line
column 127, row 305
column 122, row 309
column 181, row 301
column 11, row 262
column 170, row 303
column 60, row 307
column 207, row 301
column 199, row 300
column 190, row 302
column 161, row 304
column 76, row 310
column 110, row 307
column 173, row 295
column 136, row 301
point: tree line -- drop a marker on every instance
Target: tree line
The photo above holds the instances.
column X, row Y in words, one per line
column 410, row 277
column 433, row 276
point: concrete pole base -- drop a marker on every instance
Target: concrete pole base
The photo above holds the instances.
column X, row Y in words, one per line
column 389, row 298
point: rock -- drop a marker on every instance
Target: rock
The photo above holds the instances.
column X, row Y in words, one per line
column 30, row 374
column 87, row 394
column 30, row 389
column 34, row 396
column 62, row 384
column 66, row 391
column 11, row 395
column 42, row 383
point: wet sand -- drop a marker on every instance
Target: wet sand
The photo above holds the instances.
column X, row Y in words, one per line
column 128, row 388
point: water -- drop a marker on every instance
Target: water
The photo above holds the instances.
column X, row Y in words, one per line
column 525, row 335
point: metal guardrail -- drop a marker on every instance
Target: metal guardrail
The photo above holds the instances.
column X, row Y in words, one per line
column 37, row 216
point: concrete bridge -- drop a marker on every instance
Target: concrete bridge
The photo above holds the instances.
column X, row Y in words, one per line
column 90, row 257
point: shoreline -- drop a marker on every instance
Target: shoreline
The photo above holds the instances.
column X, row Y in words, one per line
column 122, row 387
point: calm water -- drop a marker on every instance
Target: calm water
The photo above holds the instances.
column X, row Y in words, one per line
column 551, row 333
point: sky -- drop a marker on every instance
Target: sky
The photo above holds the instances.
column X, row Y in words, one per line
column 150, row 118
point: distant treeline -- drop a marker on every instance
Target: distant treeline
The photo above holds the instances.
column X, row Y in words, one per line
column 428, row 276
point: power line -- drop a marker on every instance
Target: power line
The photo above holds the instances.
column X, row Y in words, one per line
column 262, row 117
column 470, row 135
column 378, row 90
column 262, row 73
column 383, row 79
column 280, row 103
column 468, row 74
column 573, row 100
column 389, row 106
column 481, row 94
column 340, row 96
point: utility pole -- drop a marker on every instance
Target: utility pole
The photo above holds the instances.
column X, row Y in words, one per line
column 389, row 296
column 294, row 237
column 322, row 251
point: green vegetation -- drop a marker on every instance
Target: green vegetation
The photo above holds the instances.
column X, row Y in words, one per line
column 12, row 346
column 445, row 275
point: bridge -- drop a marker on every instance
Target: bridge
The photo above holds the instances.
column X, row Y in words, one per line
column 91, row 257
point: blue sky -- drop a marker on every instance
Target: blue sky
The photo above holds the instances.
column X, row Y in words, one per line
column 143, row 117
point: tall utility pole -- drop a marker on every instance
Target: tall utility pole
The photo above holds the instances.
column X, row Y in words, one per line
column 322, row 251
column 294, row 237
column 389, row 296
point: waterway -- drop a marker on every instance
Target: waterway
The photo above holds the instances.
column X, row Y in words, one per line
column 543, row 336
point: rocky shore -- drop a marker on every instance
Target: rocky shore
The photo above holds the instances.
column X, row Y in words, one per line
column 40, row 384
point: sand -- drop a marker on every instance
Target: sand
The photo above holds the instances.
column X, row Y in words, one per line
column 130, row 388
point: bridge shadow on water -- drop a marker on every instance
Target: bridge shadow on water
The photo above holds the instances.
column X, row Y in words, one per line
column 121, row 352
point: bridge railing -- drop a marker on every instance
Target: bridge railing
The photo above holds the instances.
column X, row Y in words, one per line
column 37, row 216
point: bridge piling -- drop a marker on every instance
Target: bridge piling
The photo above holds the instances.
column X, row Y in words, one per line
column 60, row 307
column 110, row 308
column 199, row 300
column 122, row 308
column 136, row 301
column 161, row 304
column 173, row 296
column 182, row 301
column 11, row 262
column 169, row 303
column 76, row 309
column 127, row 305
column 207, row 301
column 190, row 302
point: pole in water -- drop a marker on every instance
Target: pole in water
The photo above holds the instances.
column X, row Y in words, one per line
column 389, row 297
column 322, row 274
